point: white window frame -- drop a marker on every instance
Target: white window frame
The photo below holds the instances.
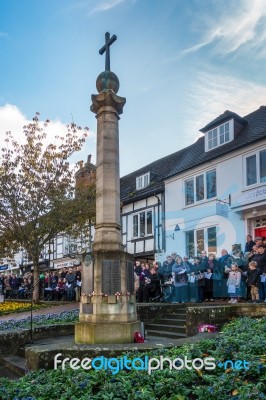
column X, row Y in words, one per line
column 139, row 235
column 142, row 181
column 194, row 178
column 258, row 172
column 205, row 240
column 217, row 132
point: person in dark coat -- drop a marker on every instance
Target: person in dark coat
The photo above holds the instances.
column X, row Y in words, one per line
column 70, row 284
column 151, row 287
column 180, row 271
column 144, row 275
column 137, row 268
column 223, row 266
column 15, row 284
column 249, row 244
column 216, row 278
column 204, row 258
column 165, row 270
column 260, row 258
column 200, row 267
column 253, row 280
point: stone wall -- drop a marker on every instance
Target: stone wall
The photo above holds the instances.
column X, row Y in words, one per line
column 11, row 341
column 200, row 314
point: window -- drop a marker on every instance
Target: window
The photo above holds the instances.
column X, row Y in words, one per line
column 189, row 191
column 219, row 135
column 200, row 187
column 201, row 239
column 211, row 237
column 211, row 184
column 142, row 224
column 212, row 138
column 224, row 133
column 256, row 168
column 251, row 170
column 142, row 181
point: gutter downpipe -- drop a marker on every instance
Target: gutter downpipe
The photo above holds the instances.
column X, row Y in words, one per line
column 158, row 219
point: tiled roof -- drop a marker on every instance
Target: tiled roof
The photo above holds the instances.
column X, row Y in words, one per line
column 254, row 129
column 226, row 116
column 158, row 171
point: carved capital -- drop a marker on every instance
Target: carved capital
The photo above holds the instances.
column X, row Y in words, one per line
column 107, row 98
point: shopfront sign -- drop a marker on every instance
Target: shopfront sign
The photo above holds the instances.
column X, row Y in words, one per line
column 66, row 264
column 250, row 196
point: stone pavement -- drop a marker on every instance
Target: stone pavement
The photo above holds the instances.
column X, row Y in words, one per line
column 44, row 311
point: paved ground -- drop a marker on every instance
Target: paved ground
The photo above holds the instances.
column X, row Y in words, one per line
column 52, row 309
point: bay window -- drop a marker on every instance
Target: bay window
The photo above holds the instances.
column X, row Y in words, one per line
column 200, row 187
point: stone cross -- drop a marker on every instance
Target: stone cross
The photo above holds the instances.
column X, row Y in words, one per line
column 106, row 48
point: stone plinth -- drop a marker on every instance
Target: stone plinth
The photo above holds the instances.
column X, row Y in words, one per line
column 103, row 333
column 109, row 314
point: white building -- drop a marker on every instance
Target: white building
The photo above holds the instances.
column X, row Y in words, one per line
column 206, row 196
column 216, row 193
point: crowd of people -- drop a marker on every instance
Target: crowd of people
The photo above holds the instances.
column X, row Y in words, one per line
column 64, row 284
column 234, row 277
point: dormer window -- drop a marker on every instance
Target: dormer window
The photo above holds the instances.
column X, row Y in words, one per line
column 219, row 135
column 142, row 181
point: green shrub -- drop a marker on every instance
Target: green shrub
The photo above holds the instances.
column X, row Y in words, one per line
column 241, row 339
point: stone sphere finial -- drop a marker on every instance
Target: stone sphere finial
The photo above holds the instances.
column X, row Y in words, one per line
column 107, row 80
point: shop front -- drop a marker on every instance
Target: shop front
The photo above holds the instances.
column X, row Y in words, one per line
column 65, row 263
column 250, row 205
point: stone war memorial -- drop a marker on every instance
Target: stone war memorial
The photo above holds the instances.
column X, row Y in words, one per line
column 108, row 304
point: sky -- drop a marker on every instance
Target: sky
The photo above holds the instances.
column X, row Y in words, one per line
column 180, row 64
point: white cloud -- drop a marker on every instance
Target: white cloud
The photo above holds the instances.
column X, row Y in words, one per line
column 3, row 34
column 106, row 6
column 197, row 46
column 12, row 119
column 211, row 94
column 241, row 23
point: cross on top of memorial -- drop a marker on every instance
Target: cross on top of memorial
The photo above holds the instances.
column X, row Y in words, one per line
column 107, row 80
column 106, row 49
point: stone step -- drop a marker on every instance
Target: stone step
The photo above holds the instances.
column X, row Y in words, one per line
column 177, row 312
column 6, row 373
column 15, row 364
column 166, row 328
column 21, row 352
column 174, row 316
column 170, row 321
column 170, row 335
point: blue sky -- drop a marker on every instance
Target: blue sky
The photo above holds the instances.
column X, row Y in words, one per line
column 180, row 64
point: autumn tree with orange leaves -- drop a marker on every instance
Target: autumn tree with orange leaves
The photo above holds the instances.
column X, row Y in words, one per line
column 37, row 191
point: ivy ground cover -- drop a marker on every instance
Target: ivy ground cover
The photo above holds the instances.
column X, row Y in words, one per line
column 242, row 339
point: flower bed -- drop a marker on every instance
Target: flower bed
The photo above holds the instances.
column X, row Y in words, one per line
column 243, row 339
column 64, row 317
column 13, row 306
